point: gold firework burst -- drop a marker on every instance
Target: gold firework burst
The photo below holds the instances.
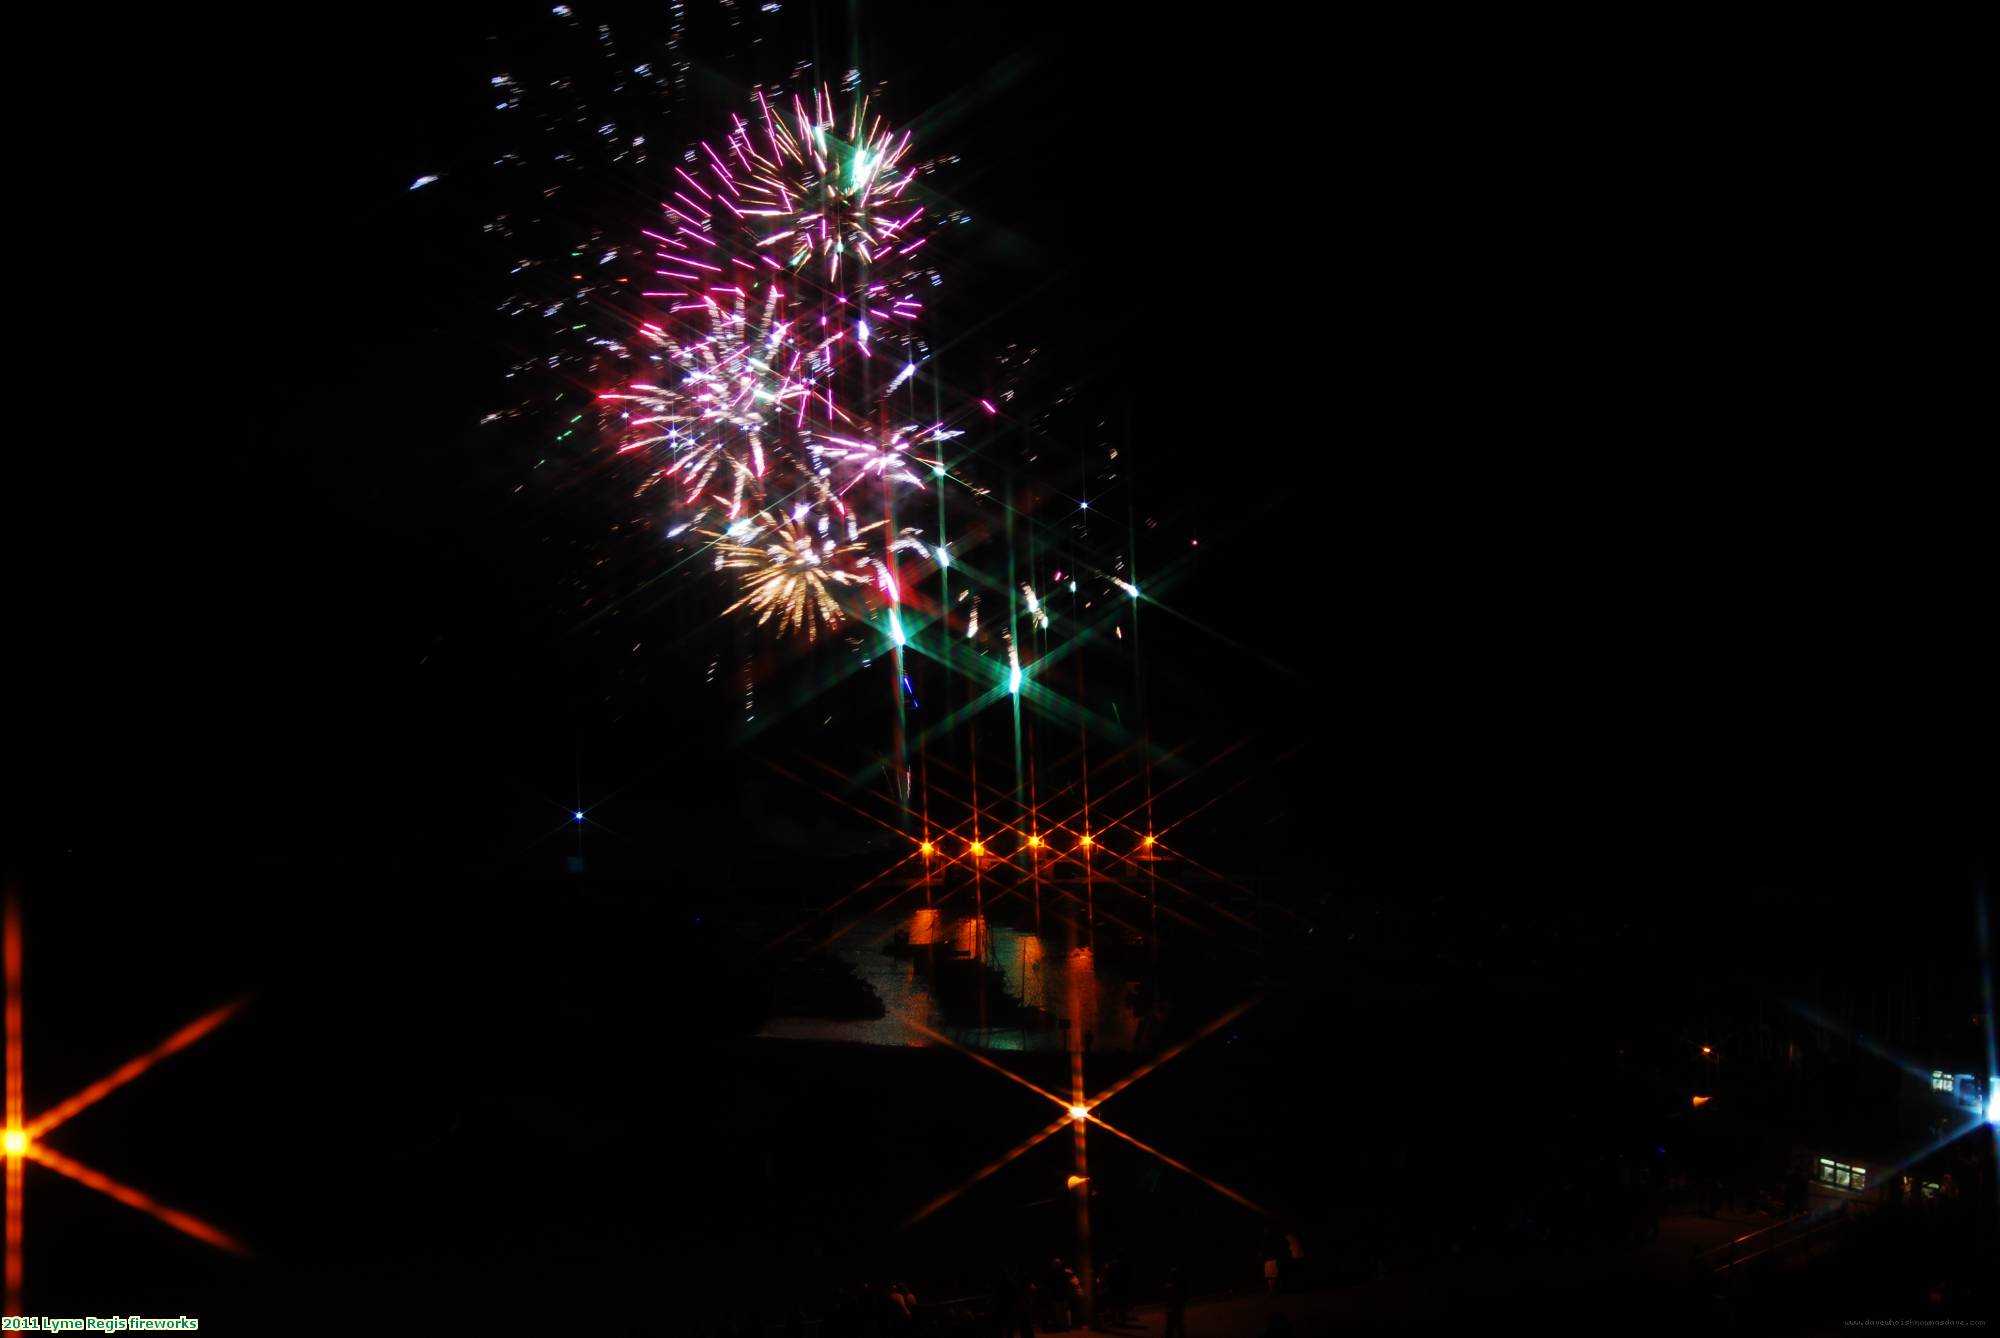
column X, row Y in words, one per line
column 788, row 572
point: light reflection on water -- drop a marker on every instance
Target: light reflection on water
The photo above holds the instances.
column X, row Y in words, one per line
column 985, row 985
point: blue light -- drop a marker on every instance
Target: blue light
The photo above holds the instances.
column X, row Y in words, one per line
column 1993, row 1102
column 1014, row 681
column 578, row 815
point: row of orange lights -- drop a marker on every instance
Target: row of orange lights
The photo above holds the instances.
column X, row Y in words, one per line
column 1084, row 842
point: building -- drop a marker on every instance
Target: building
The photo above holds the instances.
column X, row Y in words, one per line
column 1938, row 1109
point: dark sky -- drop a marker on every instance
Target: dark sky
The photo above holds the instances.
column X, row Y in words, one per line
column 1583, row 444
column 1593, row 490
column 1603, row 523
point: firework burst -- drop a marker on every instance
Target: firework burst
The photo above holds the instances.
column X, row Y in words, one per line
column 789, row 570
column 785, row 259
column 829, row 193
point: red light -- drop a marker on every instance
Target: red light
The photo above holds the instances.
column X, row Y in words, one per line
column 21, row 1138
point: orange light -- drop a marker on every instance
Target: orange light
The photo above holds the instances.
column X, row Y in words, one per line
column 1701, row 1101
column 21, row 1138
column 1068, row 1118
column 1034, row 842
column 1149, row 838
column 1085, row 841
column 925, row 848
column 1078, row 1180
column 40, row 1126
column 979, row 847
column 1705, row 1050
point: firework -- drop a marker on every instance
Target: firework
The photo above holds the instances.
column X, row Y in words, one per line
column 827, row 196
column 1036, row 613
column 705, row 434
column 785, row 262
column 790, row 570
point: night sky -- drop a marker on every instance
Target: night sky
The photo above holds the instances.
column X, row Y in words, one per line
column 1588, row 545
